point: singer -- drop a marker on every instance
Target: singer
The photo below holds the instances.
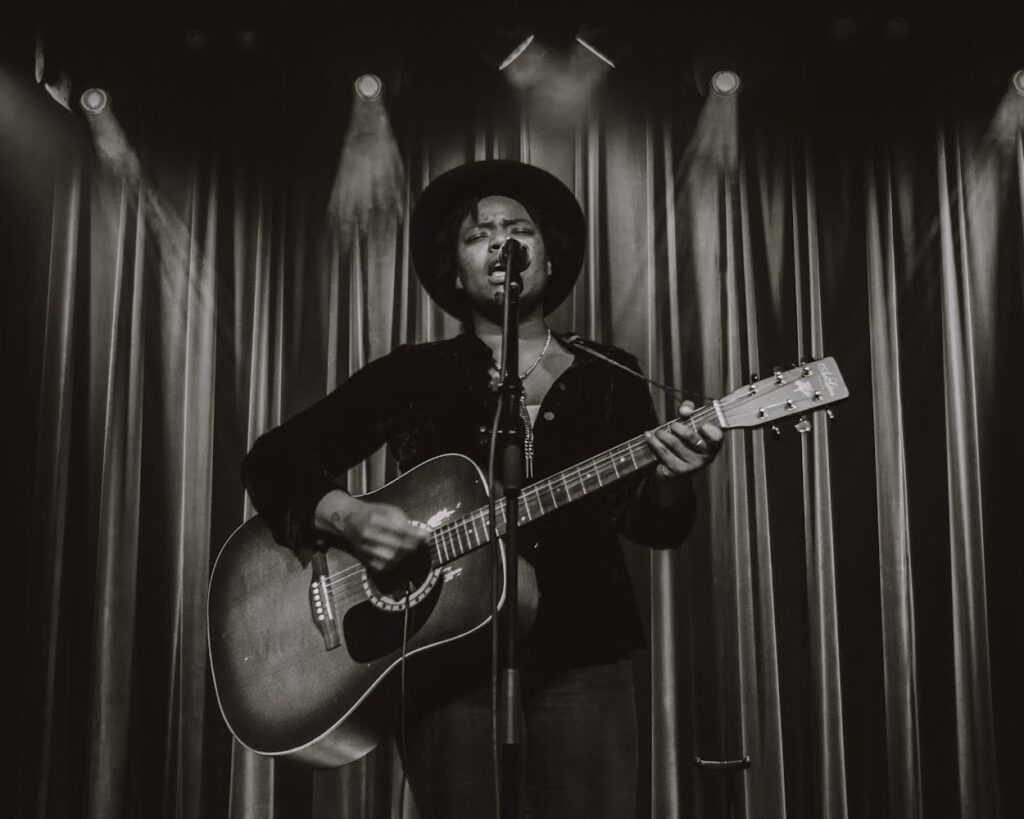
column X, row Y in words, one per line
column 427, row 399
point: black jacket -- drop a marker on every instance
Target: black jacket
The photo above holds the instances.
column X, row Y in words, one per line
column 428, row 399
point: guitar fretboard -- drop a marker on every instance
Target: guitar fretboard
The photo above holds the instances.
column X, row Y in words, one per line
column 455, row 538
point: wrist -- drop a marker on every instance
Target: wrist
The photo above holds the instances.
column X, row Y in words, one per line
column 332, row 510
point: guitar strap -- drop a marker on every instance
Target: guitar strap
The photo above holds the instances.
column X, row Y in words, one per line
column 577, row 342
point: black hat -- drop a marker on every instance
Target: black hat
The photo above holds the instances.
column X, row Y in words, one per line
column 549, row 202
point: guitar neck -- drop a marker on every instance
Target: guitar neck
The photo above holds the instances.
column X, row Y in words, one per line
column 810, row 387
column 454, row 539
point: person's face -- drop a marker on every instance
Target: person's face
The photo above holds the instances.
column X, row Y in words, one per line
column 481, row 236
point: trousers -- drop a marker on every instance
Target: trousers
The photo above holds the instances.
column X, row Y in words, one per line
column 579, row 738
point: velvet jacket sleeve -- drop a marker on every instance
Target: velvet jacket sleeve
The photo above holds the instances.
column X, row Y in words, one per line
column 637, row 514
column 290, row 468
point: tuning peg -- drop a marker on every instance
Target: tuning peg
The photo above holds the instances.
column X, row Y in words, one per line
column 753, row 377
column 776, row 431
column 803, row 425
column 830, row 415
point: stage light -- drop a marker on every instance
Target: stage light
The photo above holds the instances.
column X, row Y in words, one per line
column 1018, row 82
column 94, row 100
column 725, row 83
column 369, row 184
column 369, row 87
column 246, row 39
column 594, row 51
column 195, row 40
column 897, row 29
column 516, row 53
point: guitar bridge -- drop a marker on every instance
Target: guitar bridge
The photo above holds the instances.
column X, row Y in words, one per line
column 321, row 604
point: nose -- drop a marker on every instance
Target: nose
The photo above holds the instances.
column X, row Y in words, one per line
column 498, row 239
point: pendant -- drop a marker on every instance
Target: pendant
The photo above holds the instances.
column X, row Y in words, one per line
column 527, row 440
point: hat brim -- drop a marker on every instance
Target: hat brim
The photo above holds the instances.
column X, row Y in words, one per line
column 528, row 185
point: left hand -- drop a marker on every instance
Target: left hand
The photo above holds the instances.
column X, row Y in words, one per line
column 682, row 447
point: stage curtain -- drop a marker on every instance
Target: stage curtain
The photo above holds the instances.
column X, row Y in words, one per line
column 844, row 613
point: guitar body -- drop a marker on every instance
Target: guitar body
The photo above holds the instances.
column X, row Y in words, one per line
column 284, row 686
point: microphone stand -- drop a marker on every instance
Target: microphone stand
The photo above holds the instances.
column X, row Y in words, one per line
column 512, row 469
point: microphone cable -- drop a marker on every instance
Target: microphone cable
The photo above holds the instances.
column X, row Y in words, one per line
column 402, row 704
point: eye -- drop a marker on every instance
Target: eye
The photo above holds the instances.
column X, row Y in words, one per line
column 526, row 231
column 475, row 237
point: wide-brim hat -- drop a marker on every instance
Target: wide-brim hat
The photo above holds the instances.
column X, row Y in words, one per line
column 549, row 202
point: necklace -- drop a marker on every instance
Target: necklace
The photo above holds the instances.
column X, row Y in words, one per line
column 524, row 375
column 533, row 366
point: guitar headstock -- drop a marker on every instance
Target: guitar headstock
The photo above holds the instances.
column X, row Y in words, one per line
column 794, row 392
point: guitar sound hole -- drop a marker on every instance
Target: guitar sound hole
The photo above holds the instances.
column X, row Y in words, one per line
column 408, row 584
column 375, row 629
column 406, row 578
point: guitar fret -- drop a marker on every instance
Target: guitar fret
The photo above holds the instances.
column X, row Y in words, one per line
column 565, row 483
column 575, row 482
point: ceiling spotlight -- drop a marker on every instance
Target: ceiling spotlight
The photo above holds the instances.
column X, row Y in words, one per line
column 594, row 51
column 897, row 29
column 1018, row 82
column 369, row 87
column 515, row 53
column 195, row 40
column 246, row 39
column 94, row 100
column 725, row 83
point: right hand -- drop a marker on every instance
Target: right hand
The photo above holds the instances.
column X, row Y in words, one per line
column 378, row 534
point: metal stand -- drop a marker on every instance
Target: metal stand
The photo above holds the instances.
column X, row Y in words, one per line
column 512, row 468
column 733, row 782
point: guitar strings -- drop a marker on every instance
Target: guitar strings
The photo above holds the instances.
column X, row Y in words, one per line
column 603, row 466
column 343, row 582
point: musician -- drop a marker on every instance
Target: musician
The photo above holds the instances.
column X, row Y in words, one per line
column 428, row 399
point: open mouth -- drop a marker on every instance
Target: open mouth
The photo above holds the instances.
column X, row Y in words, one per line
column 496, row 272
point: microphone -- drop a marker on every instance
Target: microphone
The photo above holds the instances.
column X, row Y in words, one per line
column 515, row 257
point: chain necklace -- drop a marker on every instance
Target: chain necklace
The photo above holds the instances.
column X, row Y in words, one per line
column 524, row 375
column 533, row 366
column 527, row 423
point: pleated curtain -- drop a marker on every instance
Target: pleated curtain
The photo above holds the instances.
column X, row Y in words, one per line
column 842, row 614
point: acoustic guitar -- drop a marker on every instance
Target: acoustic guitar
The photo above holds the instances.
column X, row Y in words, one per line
column 304, row 652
